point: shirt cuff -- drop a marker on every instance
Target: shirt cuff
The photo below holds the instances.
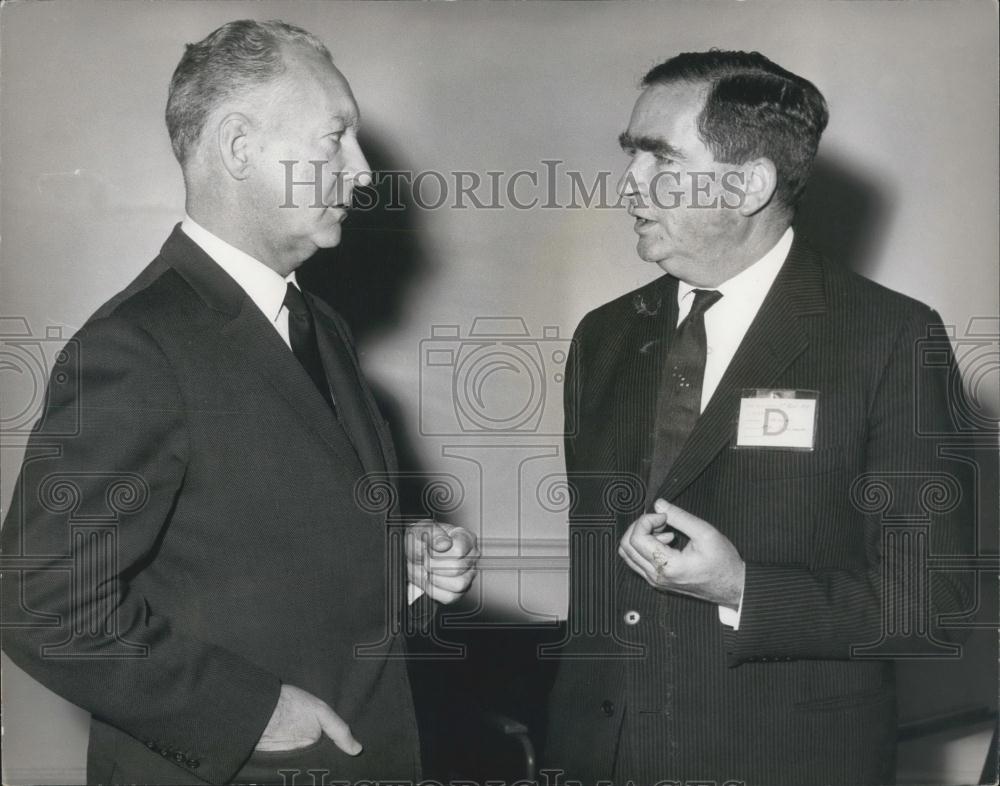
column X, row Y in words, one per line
column 731, row 617
column 413, row 593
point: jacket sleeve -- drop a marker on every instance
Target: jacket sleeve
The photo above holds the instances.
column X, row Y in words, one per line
column 913, row 496
column 84, row 520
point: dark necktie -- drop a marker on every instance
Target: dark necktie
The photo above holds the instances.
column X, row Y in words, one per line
column 302, row 336
column 678, row 403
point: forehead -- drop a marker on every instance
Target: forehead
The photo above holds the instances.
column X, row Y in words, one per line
column 316, row 87
column 669, row 112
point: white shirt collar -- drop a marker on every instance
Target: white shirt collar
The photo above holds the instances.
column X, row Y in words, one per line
column 750, row 286
column 262, row 284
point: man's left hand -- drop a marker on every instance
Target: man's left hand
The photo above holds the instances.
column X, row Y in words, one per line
column 441, row 559
column 708, row 567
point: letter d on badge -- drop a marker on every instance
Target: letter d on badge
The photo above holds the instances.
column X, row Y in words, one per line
column 784, row 419
column 775, row 422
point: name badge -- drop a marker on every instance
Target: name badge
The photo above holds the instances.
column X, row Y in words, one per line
column 777, row 419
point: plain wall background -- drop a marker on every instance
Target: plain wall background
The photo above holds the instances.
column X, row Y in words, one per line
column 905, row 192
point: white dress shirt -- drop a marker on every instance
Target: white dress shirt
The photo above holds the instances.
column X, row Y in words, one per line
column 726, row 323
column 265, row 287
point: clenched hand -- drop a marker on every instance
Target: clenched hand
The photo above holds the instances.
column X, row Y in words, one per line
column 441, row 559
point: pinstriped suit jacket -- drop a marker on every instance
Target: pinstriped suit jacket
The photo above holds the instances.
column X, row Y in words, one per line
column 652, row 687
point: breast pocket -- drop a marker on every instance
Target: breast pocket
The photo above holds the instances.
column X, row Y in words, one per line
column 765, row 464
column 772, row 499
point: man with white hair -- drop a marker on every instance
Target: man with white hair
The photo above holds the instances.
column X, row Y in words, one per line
column 241, row 624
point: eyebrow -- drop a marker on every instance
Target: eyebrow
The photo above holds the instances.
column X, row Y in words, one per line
column 648, row 144
column 348, row 120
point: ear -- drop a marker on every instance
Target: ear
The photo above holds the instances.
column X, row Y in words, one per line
column 234, row 144
column 761, row 180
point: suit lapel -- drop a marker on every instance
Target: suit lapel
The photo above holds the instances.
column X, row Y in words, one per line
column 620, row 382
column 355, row 406
column 641, row 367
column 775, row 338
column 256, row 342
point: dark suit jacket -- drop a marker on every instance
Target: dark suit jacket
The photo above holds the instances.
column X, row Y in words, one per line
column 783, row 700
column 188, row 538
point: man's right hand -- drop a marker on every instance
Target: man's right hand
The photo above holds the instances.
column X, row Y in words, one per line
column 299, row 719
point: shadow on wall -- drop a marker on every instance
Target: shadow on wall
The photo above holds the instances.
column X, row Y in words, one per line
column 380, row 258
column 368, row 277
column 844, row 212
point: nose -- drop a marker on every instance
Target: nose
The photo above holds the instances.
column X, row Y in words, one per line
column 628, row 184
column 356, row 167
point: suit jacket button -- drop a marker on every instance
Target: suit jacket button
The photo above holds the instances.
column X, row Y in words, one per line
column 608, row 707
column 632, row 617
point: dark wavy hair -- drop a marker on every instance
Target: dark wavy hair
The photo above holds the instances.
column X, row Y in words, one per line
column 754, row 108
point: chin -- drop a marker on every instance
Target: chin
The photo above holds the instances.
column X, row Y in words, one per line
column 668, row 263
column 654, row 259
column 328, row 238
column 652, row 250
column 675, row 267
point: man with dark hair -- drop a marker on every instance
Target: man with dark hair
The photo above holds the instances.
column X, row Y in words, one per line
column 757, row 395
column 233, row 611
